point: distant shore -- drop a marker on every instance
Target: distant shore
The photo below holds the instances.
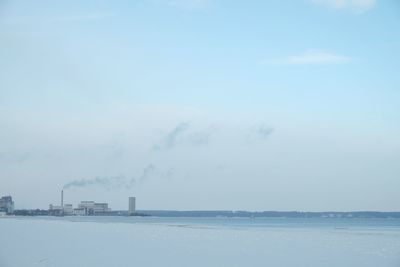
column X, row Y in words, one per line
column 227, row 213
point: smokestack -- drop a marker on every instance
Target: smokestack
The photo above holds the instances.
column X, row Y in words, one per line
column 62, row 198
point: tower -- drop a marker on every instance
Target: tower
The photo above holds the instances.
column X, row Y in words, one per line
column 62, row 199
column 132, row 206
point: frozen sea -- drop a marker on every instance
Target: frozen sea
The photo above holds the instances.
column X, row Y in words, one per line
column 205, row 242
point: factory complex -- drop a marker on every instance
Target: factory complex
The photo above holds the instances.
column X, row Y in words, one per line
column 85, row 208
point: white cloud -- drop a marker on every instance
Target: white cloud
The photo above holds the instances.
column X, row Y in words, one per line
column 316, row 57
column 355, row 5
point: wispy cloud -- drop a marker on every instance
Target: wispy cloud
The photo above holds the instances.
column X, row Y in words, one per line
column 313, row 57
column 259, row 132
column 148, row 171
column 182, row 135
column 18, row 158
column 173, row 137
column 355, row 5
column 263, row 131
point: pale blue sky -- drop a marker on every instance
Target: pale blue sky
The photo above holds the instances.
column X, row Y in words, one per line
column 259, row 105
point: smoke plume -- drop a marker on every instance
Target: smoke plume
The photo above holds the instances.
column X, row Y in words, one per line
column 114, row 182
column 107, row 182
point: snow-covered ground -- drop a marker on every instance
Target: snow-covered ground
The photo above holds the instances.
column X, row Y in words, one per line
column 62, row 242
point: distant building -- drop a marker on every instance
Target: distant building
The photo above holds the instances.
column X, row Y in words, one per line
column 132, row 205
column 84, row 208
column 55, row 210
column 92, row 207
column 68, row 209
column 54, row 207
column 89, row 205
column 7, row 204
column 101, row 208
column 59, row 210
column 80, row 212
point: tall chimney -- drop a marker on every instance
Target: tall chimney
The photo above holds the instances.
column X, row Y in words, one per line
column 62, row 198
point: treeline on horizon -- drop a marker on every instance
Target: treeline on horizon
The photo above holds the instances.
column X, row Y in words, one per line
column 273, row 214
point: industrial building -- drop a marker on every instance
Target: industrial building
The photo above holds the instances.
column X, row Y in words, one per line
column 92, row 207
column 68, row 209
column 58, row 210
column 132, row 206
column 54, row 208
column 85, row 208
column 79, row 212
column 6, row 205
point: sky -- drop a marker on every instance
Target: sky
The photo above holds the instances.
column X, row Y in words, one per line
column 201, row 104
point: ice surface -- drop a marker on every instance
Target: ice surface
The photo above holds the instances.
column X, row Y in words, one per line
column 179, row 242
